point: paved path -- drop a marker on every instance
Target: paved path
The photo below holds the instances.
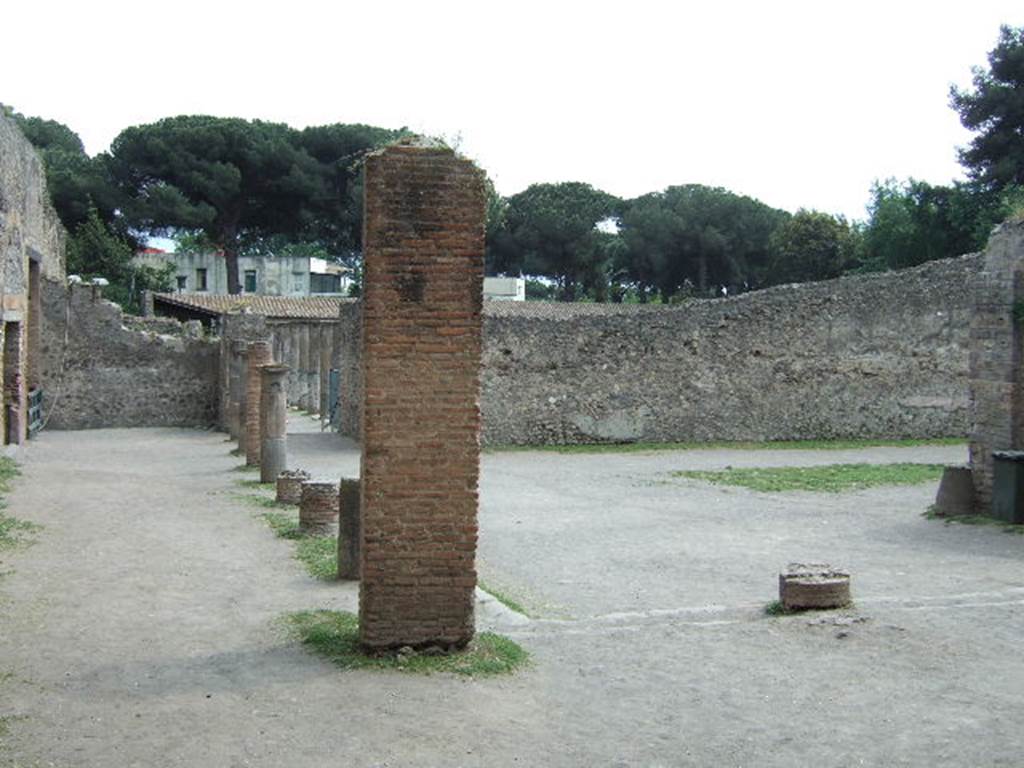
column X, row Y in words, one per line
column 139, row 630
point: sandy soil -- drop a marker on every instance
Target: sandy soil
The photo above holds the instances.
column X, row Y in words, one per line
column 140, row 629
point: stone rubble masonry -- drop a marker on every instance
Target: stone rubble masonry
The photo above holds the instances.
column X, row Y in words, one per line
column 813, row 585
column 882, row 356
column 289, row 486
column 259, row 355
column 423, row 288
column 235, row 349
column 349, row 528
column 115, row 373
column 996, row 366
column 273, row 422
column 318, row 507
column 242, row 413
column 235, row 326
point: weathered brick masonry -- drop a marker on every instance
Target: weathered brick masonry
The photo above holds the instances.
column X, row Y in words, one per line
column 997, row 369
column 424, row 245
column 259, row 355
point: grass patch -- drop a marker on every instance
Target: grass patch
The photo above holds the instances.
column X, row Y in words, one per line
column 335, row 636
column 776, row 608
column 13, row 532
column 992, row 522
column 831, row 478
column 767, row 445
column 503, row 597
column 256, row 484
column 319, row 554
column 245, row 468
column 266, row 502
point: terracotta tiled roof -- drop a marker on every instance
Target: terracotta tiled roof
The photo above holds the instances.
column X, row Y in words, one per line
column 308, row 307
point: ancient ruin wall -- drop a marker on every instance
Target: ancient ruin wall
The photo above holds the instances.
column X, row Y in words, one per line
column 113, row 372
column 997, row 358
column 881, row 355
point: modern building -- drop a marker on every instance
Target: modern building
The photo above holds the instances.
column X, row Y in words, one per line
column 261, row 275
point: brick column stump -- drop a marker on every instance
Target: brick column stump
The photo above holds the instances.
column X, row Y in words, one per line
column 273, row 422
column 423, row 292
column 259, row 355
column 235, row 386
column 813, row 585
column 318, row 507
column 348, row 528
column 289, row 486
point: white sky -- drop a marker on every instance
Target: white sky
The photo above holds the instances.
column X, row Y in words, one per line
column 800, row 104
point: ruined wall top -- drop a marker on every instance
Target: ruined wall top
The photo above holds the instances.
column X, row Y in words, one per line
column 29, row 227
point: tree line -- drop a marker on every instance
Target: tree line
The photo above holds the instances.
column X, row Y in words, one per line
column 244, row 186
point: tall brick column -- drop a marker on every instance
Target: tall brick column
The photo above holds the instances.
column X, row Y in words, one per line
column 423, row 284
column 996, row 350
column 273, row 422
column 259, row 355
column 234, row 385
column 242, row 408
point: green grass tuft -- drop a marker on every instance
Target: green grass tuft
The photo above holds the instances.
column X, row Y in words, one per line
column 245, row 468
column 13, row 532
column 831, row 478
column 335, row 636
column 765, row 445
column 776, row 608
column 319, row 554
column 256, row 484
column 503, row 597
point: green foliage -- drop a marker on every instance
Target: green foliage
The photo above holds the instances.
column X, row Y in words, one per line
column 994, row 110
column 335, row 636
column 692, row 238
column 77, row 183
column 503, row 597
column 831, row 478
column 1005, row 527
column 319, row 554
column 94, row 251
column 240, row 181
column 810, row 246
column 550, row 230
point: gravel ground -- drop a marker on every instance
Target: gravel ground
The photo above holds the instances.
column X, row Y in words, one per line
column 140, row 629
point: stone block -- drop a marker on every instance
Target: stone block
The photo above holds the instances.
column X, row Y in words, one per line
column 813, row 585
column 349, row 528
column 956, row 492
column 289, row 486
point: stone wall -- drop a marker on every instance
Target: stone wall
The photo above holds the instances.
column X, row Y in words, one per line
column 105, row 370
column 997, row 358
column 31, row 248
column 880, row 355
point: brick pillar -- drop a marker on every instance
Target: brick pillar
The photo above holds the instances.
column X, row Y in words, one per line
column 423, row 247
column 235, row 350
column 259, row 355
column 997, row 371
column 242, row 408
column 348, row 528
column 318, row 507
column 273, row 422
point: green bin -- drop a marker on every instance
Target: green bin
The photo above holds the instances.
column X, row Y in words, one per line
column 1008, row 486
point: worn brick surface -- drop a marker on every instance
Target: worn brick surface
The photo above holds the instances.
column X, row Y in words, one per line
column 289, row 486
column 997, row 372
column 424, row 247
column 259, row 355
column 318, row 507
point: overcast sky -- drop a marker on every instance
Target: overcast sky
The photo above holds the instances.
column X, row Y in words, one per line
column 800, row 104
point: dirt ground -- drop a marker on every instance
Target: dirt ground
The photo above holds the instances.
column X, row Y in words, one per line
column 140, row 629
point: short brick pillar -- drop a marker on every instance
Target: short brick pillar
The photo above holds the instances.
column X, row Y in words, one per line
column 259, row 355
column 956, row 492
column 318, row 507
column 273, row 422
column 348, row 528
column 813, row 585
column 289, row 486
column 239, row 349
column 422, row 300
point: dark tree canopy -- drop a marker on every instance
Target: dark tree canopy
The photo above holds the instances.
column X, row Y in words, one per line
column 696, row 235
column 551, row 230
column 810, row 246
column 994, row 110
column 242, row 181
